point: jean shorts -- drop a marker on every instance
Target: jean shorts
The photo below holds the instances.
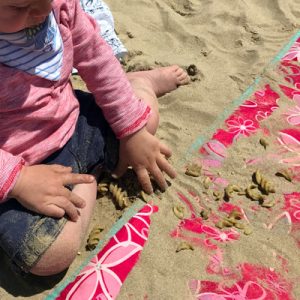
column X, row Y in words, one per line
column 25, row 235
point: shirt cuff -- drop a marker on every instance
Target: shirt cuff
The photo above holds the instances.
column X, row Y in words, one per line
column 11, row 181
column 137, row 125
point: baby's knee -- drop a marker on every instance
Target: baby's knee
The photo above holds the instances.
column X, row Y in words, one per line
column 59, row 256
column 153, row 122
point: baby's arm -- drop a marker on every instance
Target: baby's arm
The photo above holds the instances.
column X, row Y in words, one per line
column 104, row 76
column 40, row 188
column 126, row 114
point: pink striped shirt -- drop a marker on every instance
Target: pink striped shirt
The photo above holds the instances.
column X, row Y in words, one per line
column 38, row 116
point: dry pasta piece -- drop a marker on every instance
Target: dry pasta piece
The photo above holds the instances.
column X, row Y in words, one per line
column 220, row 224
column 235, row 214
column 119, row 195
column 143, row 196
column 94, row 238
column 286, row 173
column 193, row 170
column 239, row 225
column 102, row 188
column 248, row 230
column 206, row 182
column 254, row 195
column 178, row 211
column 218, row 195
column 204, row 214
column 263, row 182
column 184, row 246
column 230, row 189
column 268, row 204
column 264, row 143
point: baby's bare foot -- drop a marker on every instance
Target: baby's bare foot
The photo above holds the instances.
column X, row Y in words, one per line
column 162, row 80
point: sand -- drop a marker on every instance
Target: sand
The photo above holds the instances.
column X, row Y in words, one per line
column 230, row 43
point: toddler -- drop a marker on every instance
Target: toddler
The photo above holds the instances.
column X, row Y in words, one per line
column 52, row 138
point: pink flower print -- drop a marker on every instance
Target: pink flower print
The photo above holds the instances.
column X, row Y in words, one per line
column 241, row 293
column 188, row 203
column 291, row 74
column 280, row 287
column 216, row 265
column 296, row 96
column 293, row 53
column 260, row 93
column 266, row 98
column 250, row 291
column 293, row 116
column 295, row 205
column 210, row 296
column 220, row 236
column 98, row 276
column 257, row 283
column 249, row 104
column 241, row 126
column 103, row 276
column 291, row 144
column 261, row 115
column 297, row 86
column 215, row 150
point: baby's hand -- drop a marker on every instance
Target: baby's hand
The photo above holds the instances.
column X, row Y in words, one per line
column 145, row 154
column 41, row 188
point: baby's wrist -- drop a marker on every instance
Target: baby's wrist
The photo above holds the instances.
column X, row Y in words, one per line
column 126, row 138
column 16, row 189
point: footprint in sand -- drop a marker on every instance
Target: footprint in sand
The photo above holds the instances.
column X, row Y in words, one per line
column 183, row 8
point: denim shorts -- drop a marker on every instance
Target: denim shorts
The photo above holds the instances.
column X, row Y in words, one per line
column 25, row 235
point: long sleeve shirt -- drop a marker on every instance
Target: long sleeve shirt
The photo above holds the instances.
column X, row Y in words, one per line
column 38, row 116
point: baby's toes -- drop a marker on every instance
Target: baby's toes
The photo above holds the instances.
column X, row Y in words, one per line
column 183, row 78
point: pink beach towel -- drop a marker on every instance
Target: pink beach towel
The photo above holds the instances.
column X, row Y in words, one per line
column 103, row 275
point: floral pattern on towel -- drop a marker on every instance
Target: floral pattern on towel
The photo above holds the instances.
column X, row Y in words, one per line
column 104, row 275
column 246, row 280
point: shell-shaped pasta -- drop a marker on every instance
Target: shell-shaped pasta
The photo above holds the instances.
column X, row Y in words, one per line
column 178, row 211
column 193, row 170
column 184, row 246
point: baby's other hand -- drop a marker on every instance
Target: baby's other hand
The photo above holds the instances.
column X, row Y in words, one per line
column 41, row 188
column 145, row 154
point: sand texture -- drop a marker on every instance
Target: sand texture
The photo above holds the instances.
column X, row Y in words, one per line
column 230, row 43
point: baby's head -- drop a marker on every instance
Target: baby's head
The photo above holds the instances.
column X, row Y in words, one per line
column 16, row 15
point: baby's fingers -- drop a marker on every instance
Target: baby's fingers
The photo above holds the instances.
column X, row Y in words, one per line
column 144, row 180
column 73, row 179
column 75, row 199
column 165, row 166
column 53, row 211
column 165, row 150
column 60, row 168
column 159, row 177
column 68, row 207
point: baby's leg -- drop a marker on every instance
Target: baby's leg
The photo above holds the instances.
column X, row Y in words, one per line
column 84, row 152
column 148, row 85
column 63, row 251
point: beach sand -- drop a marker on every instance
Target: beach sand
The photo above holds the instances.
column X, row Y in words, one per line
column 230, row 43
